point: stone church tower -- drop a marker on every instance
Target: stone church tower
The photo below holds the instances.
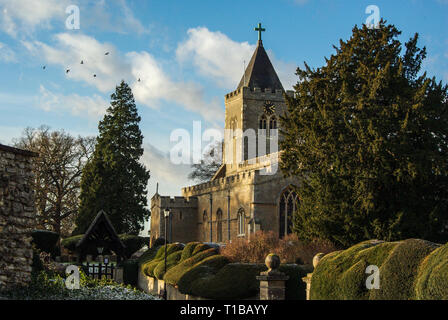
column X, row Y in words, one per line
column 248, row 192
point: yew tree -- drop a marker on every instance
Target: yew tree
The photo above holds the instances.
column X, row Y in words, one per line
column 367, row 135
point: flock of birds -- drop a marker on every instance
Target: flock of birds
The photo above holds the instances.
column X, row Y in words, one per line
column 82, row 62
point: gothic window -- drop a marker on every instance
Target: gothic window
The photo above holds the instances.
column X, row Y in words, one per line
column 272, row 123
column 262, row 123
column 289, row 202
column 204, row 216
column 241, row 222
column 219, row 225
column 180, row 215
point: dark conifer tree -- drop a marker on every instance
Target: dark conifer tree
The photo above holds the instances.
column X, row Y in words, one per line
column 114, row 179
column 367, row 133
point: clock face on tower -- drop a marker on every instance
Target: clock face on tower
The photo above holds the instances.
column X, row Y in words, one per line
column 269, row 107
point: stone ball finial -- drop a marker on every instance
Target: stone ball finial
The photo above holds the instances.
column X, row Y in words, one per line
column 272, row 261
column 317, row 258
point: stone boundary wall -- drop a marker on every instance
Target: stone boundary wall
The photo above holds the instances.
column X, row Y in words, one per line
column 17, row 216
column 155, row 287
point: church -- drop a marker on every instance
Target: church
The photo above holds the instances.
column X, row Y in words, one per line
column 248, row 193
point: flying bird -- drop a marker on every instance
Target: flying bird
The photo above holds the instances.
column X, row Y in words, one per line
column 44, row 67
column 94, row 75
column 106, row 54
column 82, row 61
column 67, row 71
column 139, row 80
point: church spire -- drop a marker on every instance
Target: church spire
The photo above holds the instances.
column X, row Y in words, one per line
column 259, row 72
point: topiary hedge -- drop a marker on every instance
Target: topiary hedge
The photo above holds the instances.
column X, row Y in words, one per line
column 404, row 270
column 133, row 243
column 173, row 275
column 432, row 276
column 398, row 272
column 205, row 269
column 148, row 267
column 71, row 242
column 171, row 260
column 130, row 272
column 46, row 241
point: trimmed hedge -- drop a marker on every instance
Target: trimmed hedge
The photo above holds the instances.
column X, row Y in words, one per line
column 171, row 260
column 46, row 241
column 130, row 272
column 190, row 282
column 338, row 275
column 432, row 276
column 199, row 270
column 399, row 271
column 148, row 255
column 404, row 269
column 71, row 242
column 133, row 243
column 173, row 275
column 148, row 267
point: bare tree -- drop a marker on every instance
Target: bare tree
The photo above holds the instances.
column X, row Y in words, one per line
column 57, row 174
column 208, row 166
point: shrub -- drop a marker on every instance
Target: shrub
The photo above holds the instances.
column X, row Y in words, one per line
column 199, row 248
column 173, row 275
column 399, row 270
column 295, row 287
column 148, row 255
column 130, row 272
column 432, row 276
column 148, row 267
column 46, row 241
column 233, row 281
column 204, row 269
column 341, row 275
column 133, row 243
column 71, row 242
column 290, row 249
column 171, row 260
column 188, row 250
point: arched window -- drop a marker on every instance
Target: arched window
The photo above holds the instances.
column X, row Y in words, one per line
column 219, row 225
column 262, row 123
column 204, row 216
column 289, row 202
column 241, row 222
column 272, row 124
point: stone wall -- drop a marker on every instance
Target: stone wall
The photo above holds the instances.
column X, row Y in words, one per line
column 17, row 216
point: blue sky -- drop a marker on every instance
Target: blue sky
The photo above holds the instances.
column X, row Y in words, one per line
column 188, row 54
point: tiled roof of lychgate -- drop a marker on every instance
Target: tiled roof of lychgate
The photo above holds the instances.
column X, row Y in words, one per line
column 259, row 72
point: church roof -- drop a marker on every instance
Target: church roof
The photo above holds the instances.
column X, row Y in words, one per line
column 259, row 72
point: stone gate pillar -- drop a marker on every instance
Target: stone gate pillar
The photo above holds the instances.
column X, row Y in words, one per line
column 272, row 282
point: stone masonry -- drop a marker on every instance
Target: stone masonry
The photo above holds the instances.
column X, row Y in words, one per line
column 17, row 216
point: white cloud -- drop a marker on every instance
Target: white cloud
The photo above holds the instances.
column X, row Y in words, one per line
column 215, row 55
column 221, row 59
column 155, row 84
column 25, row 15
column 71, row 49
column 92, row 107
column 171, row 177
column 7, row 54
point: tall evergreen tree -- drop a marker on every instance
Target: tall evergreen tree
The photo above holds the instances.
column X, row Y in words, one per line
column 114, row 180
column 367, row 133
